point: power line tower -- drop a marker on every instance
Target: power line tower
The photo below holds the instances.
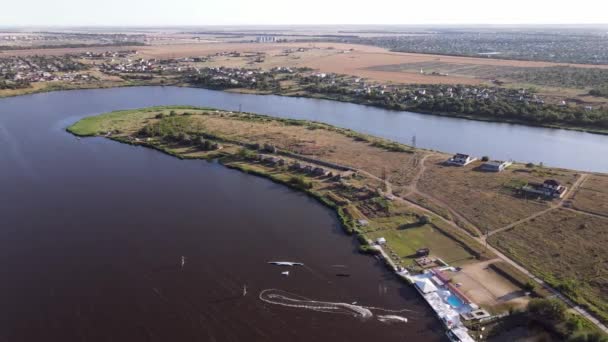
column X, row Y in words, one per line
column 414, row 141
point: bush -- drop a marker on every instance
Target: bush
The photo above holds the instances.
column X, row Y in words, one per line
column 362, row 240
column 424, row 219
column 246, row 153
column 592, row 337
column 365, row 249
column 300, row 182
column 548, row 310
column 184, row 139
column 160, row 116
column 172, row 113
column 485, row 158
column 529, row 286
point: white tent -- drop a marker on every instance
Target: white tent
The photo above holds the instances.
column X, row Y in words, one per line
column 425, row 286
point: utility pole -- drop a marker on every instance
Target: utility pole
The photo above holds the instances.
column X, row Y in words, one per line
column 414, row 141
column 384, row 178
column 240, row 107
column 487, row 235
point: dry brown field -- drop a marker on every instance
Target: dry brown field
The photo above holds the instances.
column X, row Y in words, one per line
column 363, row 61
column 592, row 196
column 318, row 143
column 566, row 248
column 486, row 199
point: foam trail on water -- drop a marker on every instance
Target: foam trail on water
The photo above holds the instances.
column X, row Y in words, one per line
column 392, row 319
column 284, row 298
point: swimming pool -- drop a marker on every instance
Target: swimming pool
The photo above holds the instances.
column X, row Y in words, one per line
column 454, row 301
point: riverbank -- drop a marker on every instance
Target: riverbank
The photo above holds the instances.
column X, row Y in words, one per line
column 444, row 114
column 163, row 81
column 377, row 202
column 39, row 88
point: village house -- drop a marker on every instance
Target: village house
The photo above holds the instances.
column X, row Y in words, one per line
column 496, row 165
column 549, row 189
column 302, row 167
column 276, row 161
column 460, row 159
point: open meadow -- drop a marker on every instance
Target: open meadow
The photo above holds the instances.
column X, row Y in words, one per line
column 592, row 196
column 568, row 250
column 487, row 199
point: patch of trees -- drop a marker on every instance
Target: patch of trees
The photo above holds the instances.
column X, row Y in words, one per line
column 68, row 45
column 171, row 126
column 210, row 79
column 20, row 84
column 178, row 129
column 137, row 77
column 502, row 108
column 561, row 76
column 575, row 46
column 511, row 110
column 553, row 315
column 300, row 183
column 602, row 91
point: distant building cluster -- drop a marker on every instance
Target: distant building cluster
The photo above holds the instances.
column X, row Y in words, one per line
column 266, row 39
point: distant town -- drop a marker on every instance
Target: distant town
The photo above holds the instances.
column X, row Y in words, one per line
column 123, row 67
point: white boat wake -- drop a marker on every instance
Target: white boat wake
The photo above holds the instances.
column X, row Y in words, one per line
column 284, row 298
column 286, row 263
column 392, row 319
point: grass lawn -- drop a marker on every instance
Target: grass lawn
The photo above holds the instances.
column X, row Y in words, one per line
column 405, row 242
column 125, row 121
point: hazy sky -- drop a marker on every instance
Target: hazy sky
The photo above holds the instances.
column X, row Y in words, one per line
column 270, row 12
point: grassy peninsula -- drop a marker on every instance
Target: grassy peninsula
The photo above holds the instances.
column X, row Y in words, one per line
column 381, row 188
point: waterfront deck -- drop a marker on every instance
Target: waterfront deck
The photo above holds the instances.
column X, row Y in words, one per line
column 447, row 304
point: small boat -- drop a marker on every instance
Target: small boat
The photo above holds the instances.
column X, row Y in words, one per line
column 286, row 273
column 342, row 275
column 286, row 263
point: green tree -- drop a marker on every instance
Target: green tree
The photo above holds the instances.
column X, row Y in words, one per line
column 552, row 310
